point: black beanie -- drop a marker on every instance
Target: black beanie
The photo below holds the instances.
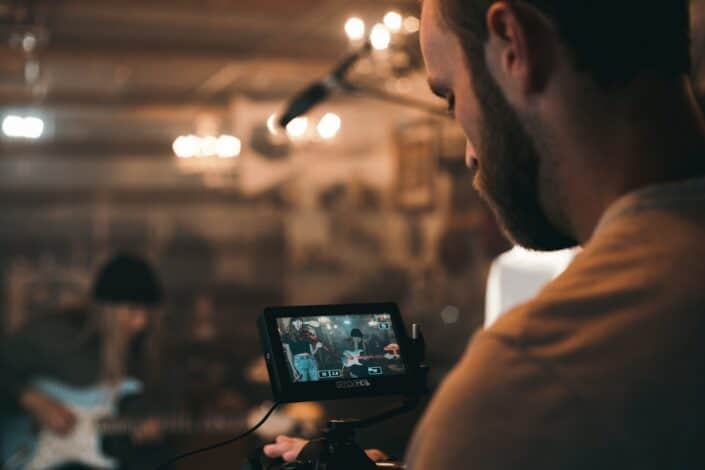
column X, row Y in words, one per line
column 356, row 333
column 127, row 279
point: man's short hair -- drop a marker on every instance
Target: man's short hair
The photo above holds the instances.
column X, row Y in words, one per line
column 614, row 41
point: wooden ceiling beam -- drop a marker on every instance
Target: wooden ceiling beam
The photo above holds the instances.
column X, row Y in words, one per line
column 86, row 148
column 115, row 102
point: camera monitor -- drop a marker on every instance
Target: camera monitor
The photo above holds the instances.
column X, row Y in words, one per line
column 336, row 351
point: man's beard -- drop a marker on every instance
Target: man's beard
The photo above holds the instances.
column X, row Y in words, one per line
column 508, row 177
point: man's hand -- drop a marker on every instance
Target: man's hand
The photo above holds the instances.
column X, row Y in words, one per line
column 49, row 413
column 289, row 448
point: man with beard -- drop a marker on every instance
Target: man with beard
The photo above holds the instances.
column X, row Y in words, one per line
column 582, row 129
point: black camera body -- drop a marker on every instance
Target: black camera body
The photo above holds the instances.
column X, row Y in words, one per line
column 295, row 338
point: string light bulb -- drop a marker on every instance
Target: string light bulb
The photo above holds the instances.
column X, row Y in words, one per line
column 28, row 127
column 380, row 37
column 393, row 21
column 329, row 125
column 297, row 127
column 411, row 24
column 228, row 146
column 355, row 29
column 209, row 146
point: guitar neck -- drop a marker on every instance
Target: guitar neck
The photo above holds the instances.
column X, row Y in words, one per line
column 174, row 425
column 362, row 358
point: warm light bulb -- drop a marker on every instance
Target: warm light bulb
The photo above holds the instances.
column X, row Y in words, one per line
column 411, row 24
column 380, row 37
column 209, row 146
column 355, row 29
column 297, row 127
column 186, row 146
column 272, row 125
column 33, row 127
column 228, row 146
column 29, row 127
column 393, row 21
column 13, row 126
column 329, row 125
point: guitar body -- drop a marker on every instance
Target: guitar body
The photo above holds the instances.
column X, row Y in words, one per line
column 352, row 358
column 24, row 449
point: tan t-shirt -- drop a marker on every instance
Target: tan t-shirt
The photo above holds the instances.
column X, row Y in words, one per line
column 604, row 369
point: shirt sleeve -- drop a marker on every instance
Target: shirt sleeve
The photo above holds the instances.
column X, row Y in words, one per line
column 22, row 357
column 499, row 409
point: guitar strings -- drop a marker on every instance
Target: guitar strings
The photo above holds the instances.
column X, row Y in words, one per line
column 166, row 465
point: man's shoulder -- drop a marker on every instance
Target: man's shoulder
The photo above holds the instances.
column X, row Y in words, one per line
column 629, row 308
column 647, row 263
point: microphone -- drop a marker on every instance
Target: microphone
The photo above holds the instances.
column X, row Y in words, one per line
column 319, row 90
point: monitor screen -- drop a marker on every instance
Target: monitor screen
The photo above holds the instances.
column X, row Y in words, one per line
column 328, row 348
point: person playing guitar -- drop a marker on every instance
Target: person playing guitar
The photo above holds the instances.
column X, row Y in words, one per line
column 360, row 351
column 82, row 354
column 359, row 347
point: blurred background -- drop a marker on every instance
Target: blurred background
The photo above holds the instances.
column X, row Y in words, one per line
column 150, row 127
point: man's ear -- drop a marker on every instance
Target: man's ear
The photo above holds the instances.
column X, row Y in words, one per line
column 521, row 49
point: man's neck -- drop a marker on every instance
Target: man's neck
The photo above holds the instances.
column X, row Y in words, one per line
column 631, row 146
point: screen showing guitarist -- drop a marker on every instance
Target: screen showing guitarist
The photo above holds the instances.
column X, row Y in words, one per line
column 64, row 371
column 355, row 360
column 319, row 348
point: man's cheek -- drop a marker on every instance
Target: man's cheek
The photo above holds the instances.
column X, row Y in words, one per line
column 470, row 127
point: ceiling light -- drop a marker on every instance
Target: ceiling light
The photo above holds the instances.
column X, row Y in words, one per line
column 209, row 146
column 393, row 21
column 186, row 146
column 272, row 124
column 355, row 29
column 411, row 24
column 329, row 125
column 297, row 127
column 228, row 146
column 380, row 37
column 28, row 127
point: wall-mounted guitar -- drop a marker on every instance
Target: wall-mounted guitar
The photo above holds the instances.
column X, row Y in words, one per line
column 95, row 410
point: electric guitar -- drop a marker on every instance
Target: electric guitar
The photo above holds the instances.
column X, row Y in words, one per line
column 353, row 357
column 22, row 448
column 95, row 409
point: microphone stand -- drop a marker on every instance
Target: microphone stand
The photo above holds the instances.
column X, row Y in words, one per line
column 381, row 95
column 320, row 90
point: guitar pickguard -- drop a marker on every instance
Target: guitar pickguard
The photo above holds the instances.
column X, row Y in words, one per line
column 48, row 450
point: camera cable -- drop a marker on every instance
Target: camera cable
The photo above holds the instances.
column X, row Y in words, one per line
column 166, row 465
